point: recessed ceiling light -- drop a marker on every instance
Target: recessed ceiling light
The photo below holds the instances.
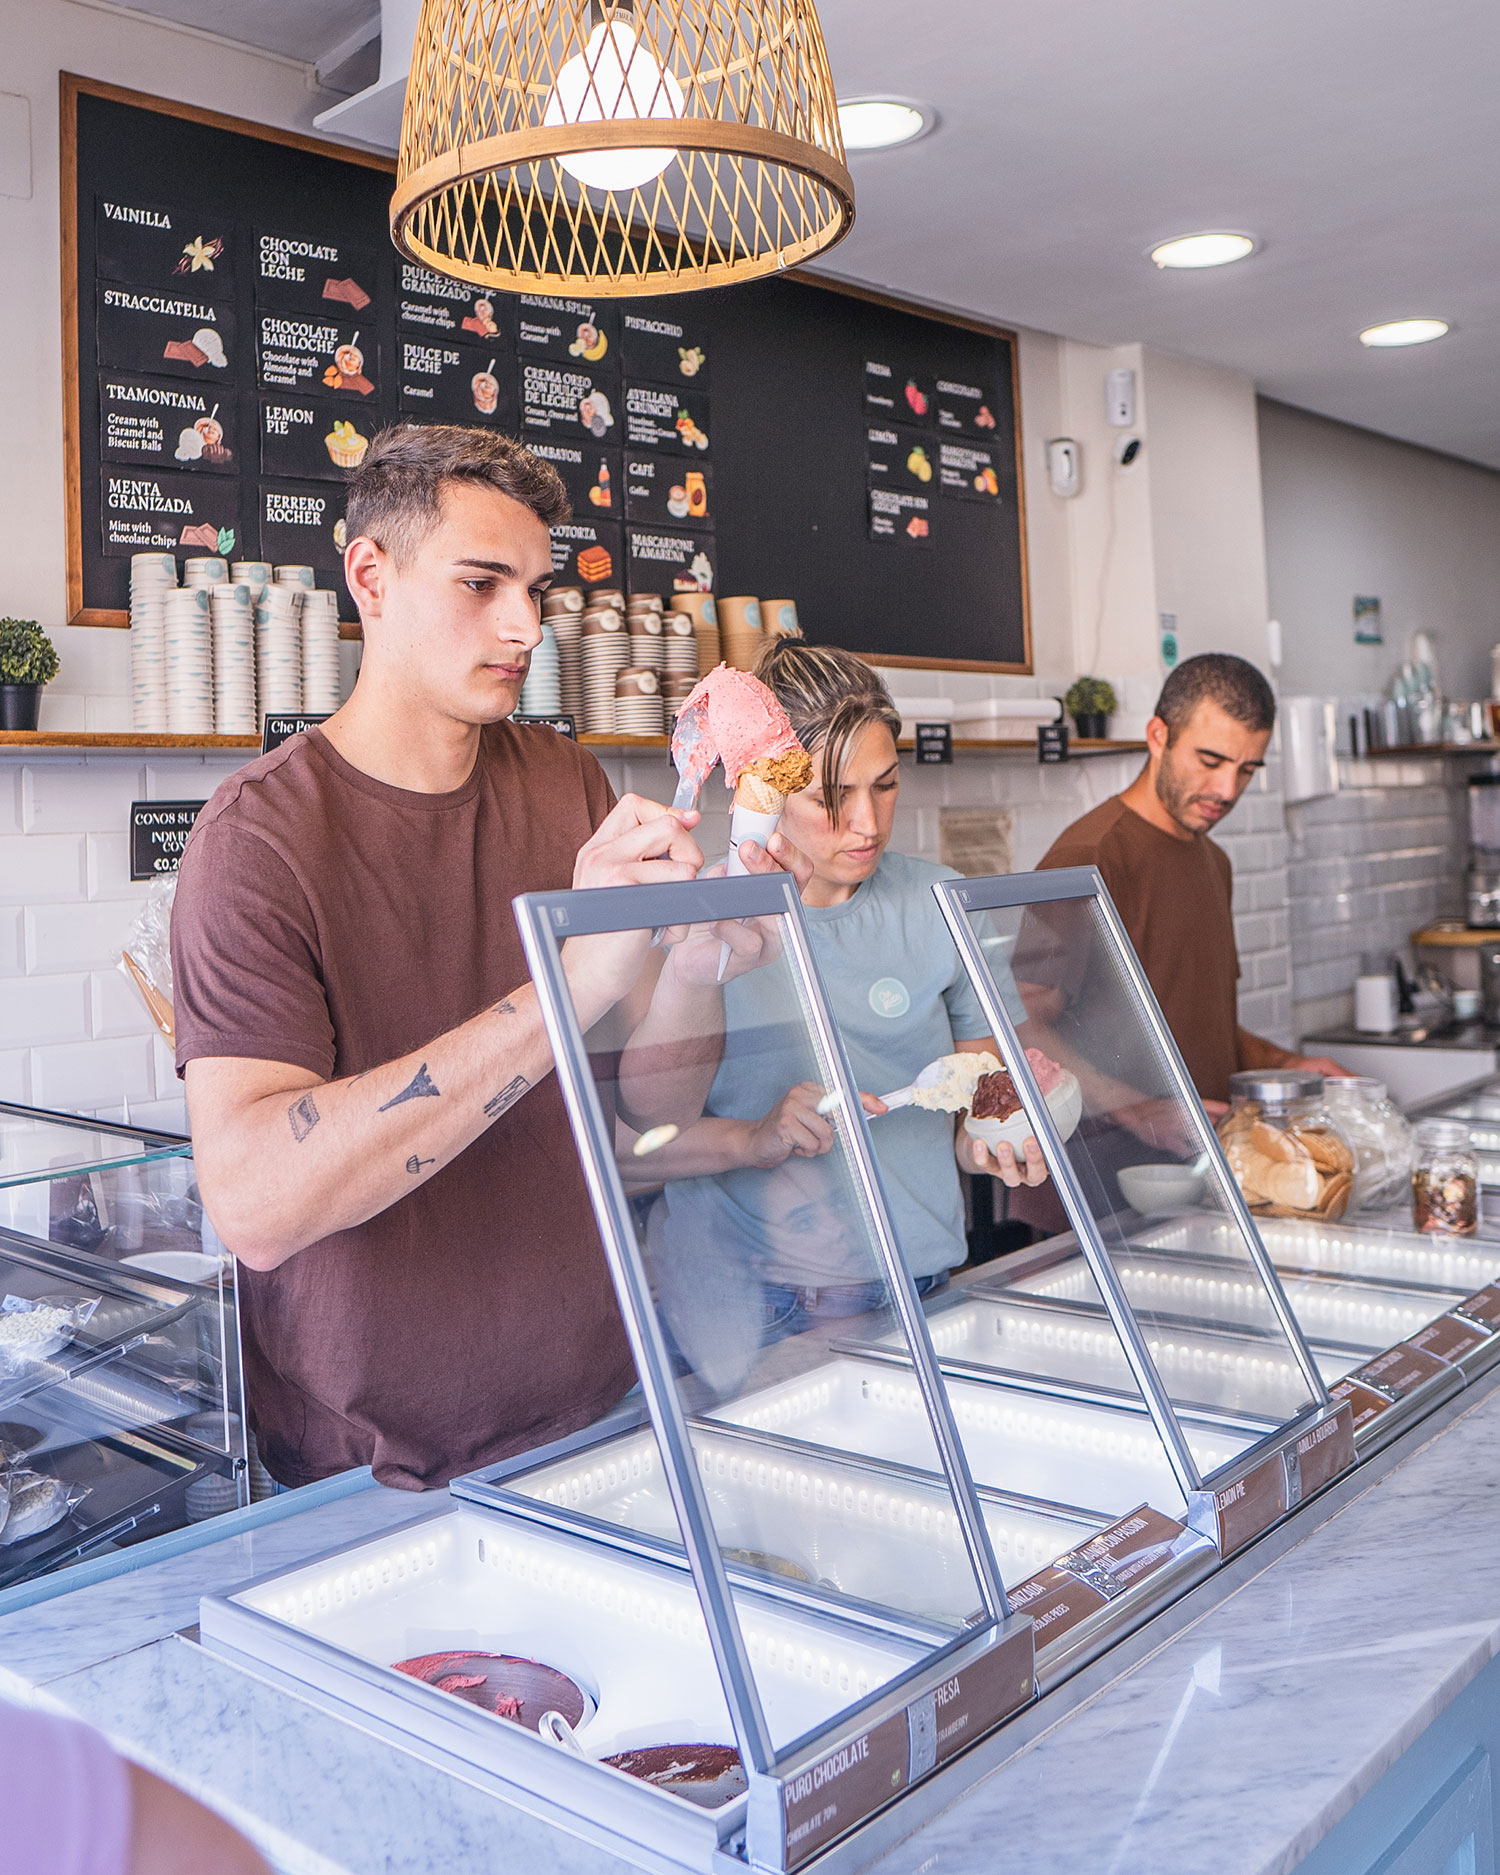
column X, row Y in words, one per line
column 1203, row 250
column 881, row 123
column 1404, row 332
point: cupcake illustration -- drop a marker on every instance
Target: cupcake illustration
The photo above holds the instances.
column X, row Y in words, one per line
column 345, row 445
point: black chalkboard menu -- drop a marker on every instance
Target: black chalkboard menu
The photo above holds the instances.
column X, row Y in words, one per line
column 240, row 326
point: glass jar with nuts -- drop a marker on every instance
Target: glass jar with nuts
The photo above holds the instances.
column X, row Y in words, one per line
column 1445, row 1180
column 1284, row 1147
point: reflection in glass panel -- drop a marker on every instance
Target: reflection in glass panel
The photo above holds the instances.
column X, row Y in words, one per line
column 1137, row 1145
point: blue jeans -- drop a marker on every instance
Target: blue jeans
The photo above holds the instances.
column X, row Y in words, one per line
column 788, row 1310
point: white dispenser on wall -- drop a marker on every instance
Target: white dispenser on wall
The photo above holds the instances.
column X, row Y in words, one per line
column 1309, row 740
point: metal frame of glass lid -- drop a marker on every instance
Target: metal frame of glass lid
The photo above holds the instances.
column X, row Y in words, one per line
column 546, row 921
column 957, row 899
column 155, row 1145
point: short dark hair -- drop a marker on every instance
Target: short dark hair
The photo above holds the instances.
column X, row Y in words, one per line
column 1235, row 685
column 396, row 493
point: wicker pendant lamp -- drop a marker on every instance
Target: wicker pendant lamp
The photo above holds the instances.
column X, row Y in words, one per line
column 618, row 147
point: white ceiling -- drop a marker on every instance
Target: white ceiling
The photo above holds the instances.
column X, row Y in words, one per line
column 1359, row 140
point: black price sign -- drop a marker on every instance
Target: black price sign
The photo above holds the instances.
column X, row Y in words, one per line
column 563, row 402
column 177, row 331
column 580, row 332
column 564, row 725
column 148, row 512
column 1052, row 742
column 308, row 441
column 457, row 383
column 899, row 516
column 899, row 458
column 278, row 729
column 303, row 352
column 664, row 351
column 158, row 244
column 303, row 525
column 158, row 833
column 428, row 302
column 166, row 425
column 664, row 561
column 588, row 553
column 658, row 489
column 656, row 418
column 971, row 471
column 935, row 743
column 968, row 408
column 895, row 395
column 312, row 274
column 592, row 476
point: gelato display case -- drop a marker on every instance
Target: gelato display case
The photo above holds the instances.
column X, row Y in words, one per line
column 827, row 1551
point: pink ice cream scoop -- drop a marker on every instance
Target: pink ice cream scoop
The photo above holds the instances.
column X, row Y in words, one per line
column 730, row 717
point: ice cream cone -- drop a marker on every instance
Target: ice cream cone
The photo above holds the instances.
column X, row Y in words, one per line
column 755, row 793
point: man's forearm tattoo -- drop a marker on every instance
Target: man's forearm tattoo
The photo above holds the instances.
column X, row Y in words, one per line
column 507, row 1097
column 414, row 1164
column 505, row 1007
column 420, row 1087
column 304, row 1116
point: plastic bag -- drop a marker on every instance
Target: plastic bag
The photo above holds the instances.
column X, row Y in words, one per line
column 34, row 1328
column 37, row 1502
column 147, row 956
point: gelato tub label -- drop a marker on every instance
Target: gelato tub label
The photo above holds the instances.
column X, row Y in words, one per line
column 448, row 383
column 968, row 470
column 1450, row 1337
column 147, row 243
column 658, row 418
column 579, row 332
column 1400, row 1370
column 662, row 490
column 895, row 395
column 172, row 332
column 302, row 524
column 560, row 401
column 900, row 515
column 149, row 512
column 428, row 302
column 166, row 423
column 900, row 458
column 312, row 273
column 587, row 553
column 1364, row 1402
column 307, row 439
column 306, row 352
column 658, row 348
column 666, row 561
column 592, row 476
column 966, row 408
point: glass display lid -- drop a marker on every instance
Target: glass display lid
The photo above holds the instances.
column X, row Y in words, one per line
column 742, row 1627
column 1199, row 1315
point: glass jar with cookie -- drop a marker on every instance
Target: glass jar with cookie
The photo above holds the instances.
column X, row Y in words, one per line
column 1445, row 1180
column 1288, row 1153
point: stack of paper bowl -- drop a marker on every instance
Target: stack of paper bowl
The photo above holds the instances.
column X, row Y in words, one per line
column 646, row 646
column 606, row 652
column 152, row 577
column 638, row 709
column 320, row 651
column 256, row 574
column 562, row 609
column 278, row 649
column 541, row 694
column 190, row 662
column 679, row 646
column 740, row 629
column 206, row 571
column 675, row 691
column 778, row 618
column 232, row 616
column 302, row 576
column 704, row 614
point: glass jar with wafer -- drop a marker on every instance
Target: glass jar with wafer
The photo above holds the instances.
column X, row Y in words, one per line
column 1284, row 1146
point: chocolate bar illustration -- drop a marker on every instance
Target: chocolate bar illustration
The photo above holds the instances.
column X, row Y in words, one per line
column 350, row 291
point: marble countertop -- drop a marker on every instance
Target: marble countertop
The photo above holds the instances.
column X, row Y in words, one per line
column 1235, row 1746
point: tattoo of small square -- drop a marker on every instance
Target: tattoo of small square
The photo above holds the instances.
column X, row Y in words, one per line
column 507, row 1097
column 420, row 1087
column 304, row 1116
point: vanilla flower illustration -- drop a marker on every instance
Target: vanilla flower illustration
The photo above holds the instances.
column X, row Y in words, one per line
column 202, row 254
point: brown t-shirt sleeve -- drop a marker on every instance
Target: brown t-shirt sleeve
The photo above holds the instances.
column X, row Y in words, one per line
column 246, row 980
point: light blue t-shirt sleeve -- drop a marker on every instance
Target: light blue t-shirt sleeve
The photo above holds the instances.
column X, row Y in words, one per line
column 965, row 1013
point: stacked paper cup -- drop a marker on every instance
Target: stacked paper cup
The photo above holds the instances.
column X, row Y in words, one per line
column 638, row 710
column 679, row 647
column 205, row 571
column 646, row 647
column 541, row 694
column 778, row 618
column 562, row 609
column 278, row 649
column 302, row 576
column 256, row 574
column 320, row 651
column 190, row 662
column 700, row 608
column 675, row 691
column 740, row 628
column 606, row 652
column 152, row 577
column 232, row 616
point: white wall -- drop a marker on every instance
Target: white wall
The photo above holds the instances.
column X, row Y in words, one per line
column 1350, row 512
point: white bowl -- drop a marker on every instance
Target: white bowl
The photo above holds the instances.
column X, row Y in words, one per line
column 1064, row 1103
column 1154, row 1190
column 183, row 1266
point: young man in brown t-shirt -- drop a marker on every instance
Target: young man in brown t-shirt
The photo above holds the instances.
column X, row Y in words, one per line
column 1172, row 886
column 377, row 1133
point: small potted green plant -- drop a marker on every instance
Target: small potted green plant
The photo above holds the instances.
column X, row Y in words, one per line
column 1091, row 702
column 28, row 659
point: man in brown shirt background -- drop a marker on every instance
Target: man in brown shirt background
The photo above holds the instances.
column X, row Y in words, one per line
column 377, row 1135
column 1172, row 885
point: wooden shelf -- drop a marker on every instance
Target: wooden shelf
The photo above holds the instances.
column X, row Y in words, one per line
column 1018, row 747
column 1426, row 748
column 103, row 741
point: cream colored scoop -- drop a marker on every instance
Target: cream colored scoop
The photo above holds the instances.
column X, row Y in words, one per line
column 945, row 1085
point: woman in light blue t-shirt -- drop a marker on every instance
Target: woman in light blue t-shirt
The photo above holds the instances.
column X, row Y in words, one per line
column 901, row 998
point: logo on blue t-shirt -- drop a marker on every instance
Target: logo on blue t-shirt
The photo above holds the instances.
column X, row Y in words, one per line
column 890, row 997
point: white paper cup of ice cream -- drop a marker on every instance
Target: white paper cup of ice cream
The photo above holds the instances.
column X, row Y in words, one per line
column 1064, row 1103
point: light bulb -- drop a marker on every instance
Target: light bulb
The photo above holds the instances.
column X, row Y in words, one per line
column 1403, row 332
column 1203, row 250
column 614, row 77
